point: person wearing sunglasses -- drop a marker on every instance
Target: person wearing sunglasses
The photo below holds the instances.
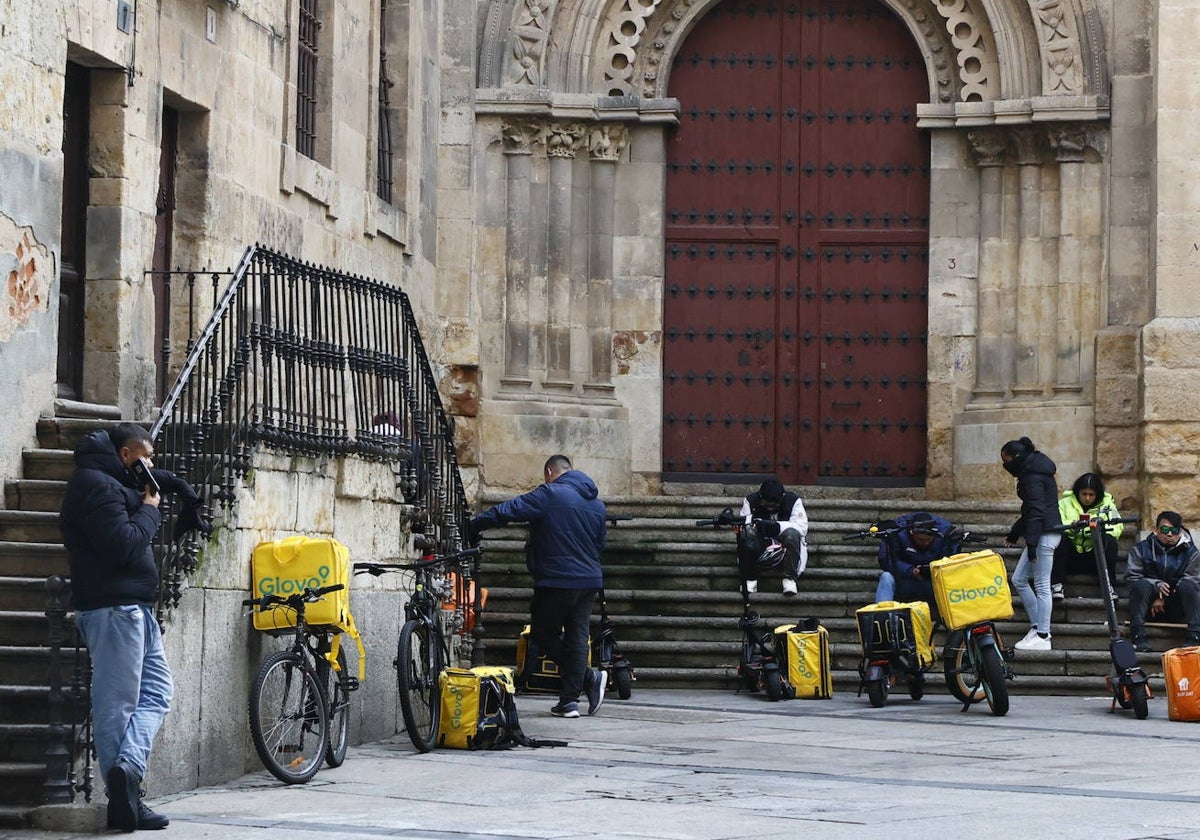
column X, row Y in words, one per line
column 1163, row 573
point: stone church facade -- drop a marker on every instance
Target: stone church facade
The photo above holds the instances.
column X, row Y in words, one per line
column 510, row 165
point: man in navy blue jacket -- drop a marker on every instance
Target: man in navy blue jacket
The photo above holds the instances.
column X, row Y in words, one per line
column 566, row 535
column 906, row 555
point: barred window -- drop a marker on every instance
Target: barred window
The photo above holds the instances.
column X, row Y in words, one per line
column 306, row 78
column 384, row 151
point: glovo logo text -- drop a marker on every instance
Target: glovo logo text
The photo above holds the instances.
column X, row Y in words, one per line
column 978, row 593
column 290, row 586
column 456, row 705
column 802, row 663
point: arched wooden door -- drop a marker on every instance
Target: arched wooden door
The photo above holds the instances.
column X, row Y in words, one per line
column 797, row 233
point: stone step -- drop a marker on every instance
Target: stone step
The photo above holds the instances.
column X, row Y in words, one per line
column 25, row 703
column 23, row 742
column 23, row 627
column 34, row 494
column 27, row 559
column 24, row 665
column 22, row 593
column 65, row 432
column 21, row 782
column 29, row 526
column 47, row 464
column 87, row 411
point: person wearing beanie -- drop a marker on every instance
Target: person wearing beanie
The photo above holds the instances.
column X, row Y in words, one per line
column 773, row 513
column 904, row 557
column 1038, row 493
column 1086, row 499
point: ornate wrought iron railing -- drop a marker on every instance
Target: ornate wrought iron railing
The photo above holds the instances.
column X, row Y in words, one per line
column 303, row 359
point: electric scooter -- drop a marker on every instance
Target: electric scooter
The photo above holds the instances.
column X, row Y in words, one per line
column 758, row 669
column 1126, row 679
column 606, row 652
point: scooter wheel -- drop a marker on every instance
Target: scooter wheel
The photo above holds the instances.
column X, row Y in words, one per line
column 1140, row 701
column 624, row 679
column 877, row 692
column 773, row 682
column 916, row 688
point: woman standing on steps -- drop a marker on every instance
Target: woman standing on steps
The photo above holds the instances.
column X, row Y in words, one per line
column 1038, row 493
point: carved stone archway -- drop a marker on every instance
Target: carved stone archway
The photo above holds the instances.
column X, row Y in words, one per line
column 1017, row 115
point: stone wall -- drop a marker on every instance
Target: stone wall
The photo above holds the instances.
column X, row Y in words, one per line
column 213, row 651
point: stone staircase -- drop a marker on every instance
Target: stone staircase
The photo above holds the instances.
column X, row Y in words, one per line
column 672, row 589
column 30, row 551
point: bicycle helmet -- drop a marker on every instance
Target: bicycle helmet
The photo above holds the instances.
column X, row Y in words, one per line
column 771, row 556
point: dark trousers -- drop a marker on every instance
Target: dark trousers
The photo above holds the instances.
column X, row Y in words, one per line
column 559, row 621
column 1069, row 561
column 789, row 538
column 1183, row 603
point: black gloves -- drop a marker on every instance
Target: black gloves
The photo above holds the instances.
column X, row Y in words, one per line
column 474, row 532
column 191, row 518
column 768, row 528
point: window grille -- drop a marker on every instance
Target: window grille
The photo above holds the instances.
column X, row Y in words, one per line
column 306, row 79
column 383, row 162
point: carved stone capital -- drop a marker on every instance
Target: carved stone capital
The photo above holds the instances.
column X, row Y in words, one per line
column 1070, row 142
column 519, row 136
column 989, row 145
column 563, row 141
column 605, row 142
column 1030, row 146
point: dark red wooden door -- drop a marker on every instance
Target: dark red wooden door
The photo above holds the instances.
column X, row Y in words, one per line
column 795, row 306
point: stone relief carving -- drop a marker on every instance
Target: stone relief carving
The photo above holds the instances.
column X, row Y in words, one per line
column 1069, row 143
column 978, row 68
column 27, row 267
column 1062, row 65
column 603, row 141
column 563, row 141
column 624, row 33
column 531, row 31
column 990, row 146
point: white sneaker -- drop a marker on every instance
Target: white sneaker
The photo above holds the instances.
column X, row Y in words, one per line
column 1036, row 643
column 1032, row 634
column 789, row 586
column 751, row 586
column 1057, row 593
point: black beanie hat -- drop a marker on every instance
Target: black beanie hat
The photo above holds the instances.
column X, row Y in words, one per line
column 771, row 490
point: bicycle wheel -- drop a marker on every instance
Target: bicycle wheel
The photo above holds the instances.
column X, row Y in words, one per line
column 337, row 693
column 288, row 718
column 961, row 678
column 418, row 664
column 995, row 687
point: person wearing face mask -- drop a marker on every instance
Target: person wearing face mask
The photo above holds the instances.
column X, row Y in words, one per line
column 1038, row 493
column 1163, row 573
column 1086, row 499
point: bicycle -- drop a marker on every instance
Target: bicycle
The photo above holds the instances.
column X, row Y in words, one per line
column 422, row 652
column 300, row 700
column 758, row 668
column 1126, row 680
column 881, row 668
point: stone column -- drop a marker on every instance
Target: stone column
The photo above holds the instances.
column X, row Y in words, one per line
column 993, row 363
column 1034, row 308
column 562, row 142
column 518, row 149
column 605, row 144
column 1072, row 326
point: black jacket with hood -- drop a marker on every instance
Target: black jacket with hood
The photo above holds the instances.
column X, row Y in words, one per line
column 567, row 531
column 1038, row 492
column 107, row 530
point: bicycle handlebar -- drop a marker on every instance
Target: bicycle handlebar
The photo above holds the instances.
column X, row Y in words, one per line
column 721, row 520
column 377, row 569
column 307, row 595
column 1080, row 524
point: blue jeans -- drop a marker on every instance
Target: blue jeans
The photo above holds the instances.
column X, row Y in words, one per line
column 131, row 682
column 905, row 590
column 1036, row 597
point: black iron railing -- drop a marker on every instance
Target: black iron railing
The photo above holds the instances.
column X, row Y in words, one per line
column 306, row 360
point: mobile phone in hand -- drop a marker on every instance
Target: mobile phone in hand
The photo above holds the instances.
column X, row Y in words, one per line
column 145, row 479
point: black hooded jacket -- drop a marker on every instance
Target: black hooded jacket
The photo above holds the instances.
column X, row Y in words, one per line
column 107, row 530
column 1038, row 492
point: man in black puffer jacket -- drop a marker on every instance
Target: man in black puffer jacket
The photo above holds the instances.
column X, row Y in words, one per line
column 567, row 531
column 108, row 525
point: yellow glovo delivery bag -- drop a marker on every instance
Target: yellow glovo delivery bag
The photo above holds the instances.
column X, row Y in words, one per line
column 970, row 588
column 292, row 564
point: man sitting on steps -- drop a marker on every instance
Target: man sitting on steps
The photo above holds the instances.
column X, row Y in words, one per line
column 773, row 513
column 1163, row 573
